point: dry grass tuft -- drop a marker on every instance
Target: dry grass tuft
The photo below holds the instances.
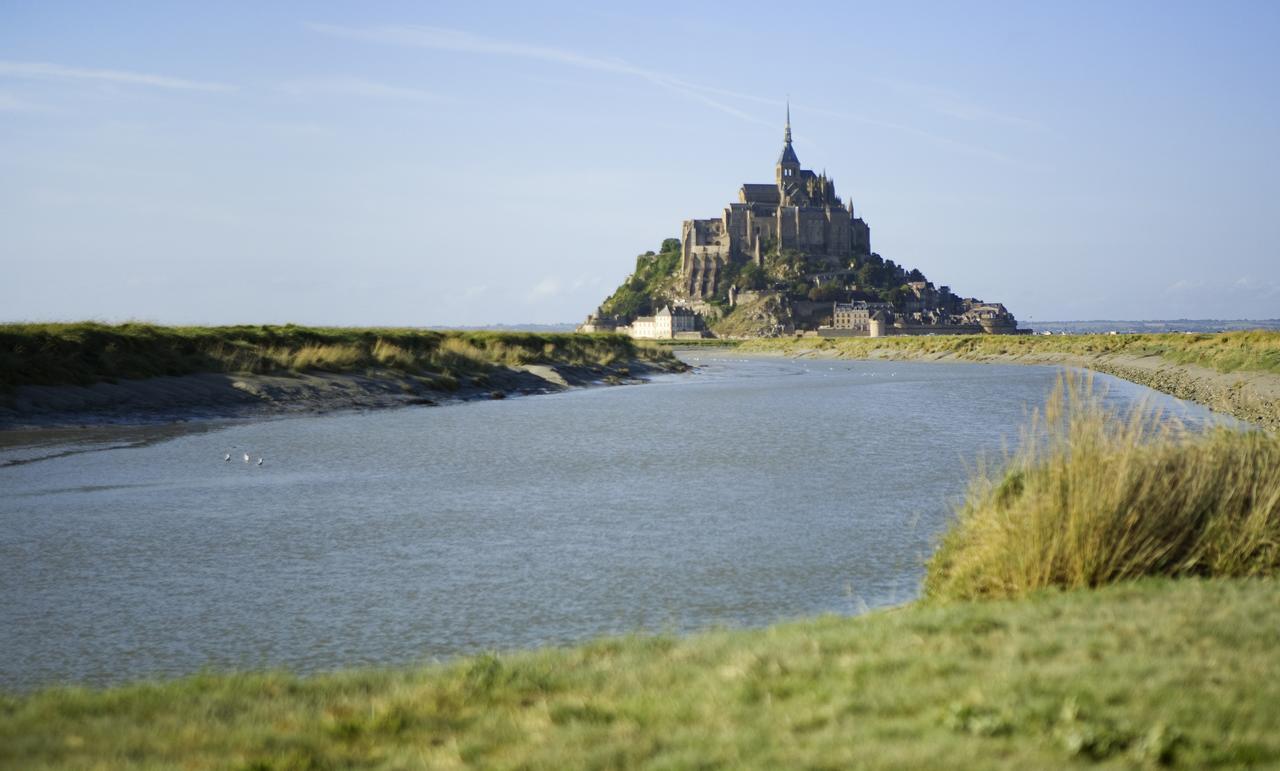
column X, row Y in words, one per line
column 1094, row 497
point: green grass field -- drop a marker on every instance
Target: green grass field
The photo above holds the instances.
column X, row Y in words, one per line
column 1256, row 351
column 87, row 353
column 1144, row 674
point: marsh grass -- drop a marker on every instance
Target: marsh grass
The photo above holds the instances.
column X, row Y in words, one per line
column 1094, row 496
column 1252, row 351
column 87, row 353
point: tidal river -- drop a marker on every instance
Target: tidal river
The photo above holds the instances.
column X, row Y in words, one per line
column 747, row 492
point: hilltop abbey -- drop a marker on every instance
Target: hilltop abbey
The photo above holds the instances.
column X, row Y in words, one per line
column 799, row 211
column 789, row 257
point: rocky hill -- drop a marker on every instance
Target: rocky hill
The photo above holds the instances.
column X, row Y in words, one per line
column 788, row 292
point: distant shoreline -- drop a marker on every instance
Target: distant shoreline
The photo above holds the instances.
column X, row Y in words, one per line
column 1250, row 395
column 1235, row 373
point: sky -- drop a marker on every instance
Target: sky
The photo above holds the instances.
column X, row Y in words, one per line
column 424, row 163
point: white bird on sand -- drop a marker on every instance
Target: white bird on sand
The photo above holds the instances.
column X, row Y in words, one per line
column 226, row 457
column 259, row 461
column 246, row 457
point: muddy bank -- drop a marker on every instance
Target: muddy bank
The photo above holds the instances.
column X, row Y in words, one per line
column 214, row 396
column 1253, row 397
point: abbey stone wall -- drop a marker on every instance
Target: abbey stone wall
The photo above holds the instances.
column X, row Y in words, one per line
column 799, row 212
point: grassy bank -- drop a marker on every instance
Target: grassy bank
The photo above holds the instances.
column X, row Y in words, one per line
column 1094, row 497
column 1159, row 672
column 87, row 353
column 1255, row 351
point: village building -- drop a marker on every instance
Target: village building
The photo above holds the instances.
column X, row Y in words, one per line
column 856, row 316
column 667, row 324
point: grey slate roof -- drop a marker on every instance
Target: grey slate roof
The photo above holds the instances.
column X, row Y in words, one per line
column 788, row 155
column 760, row 193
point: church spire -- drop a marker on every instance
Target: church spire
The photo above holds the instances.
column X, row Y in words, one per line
column 788, row 163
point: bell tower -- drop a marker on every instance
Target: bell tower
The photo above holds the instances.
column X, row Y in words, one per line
column 788, row 168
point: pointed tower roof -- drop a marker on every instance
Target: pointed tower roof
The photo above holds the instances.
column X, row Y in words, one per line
column 788, row 155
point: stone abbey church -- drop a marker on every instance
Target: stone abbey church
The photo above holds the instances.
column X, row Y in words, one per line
column 799, row 211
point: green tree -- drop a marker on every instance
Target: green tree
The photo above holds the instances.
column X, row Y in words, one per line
column 871, row 275
column 826, row 292
column 895, row 295
column 751, row 276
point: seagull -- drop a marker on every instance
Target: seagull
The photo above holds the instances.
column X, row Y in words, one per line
column 246, row 457
column 259, row 461
column 226, row 457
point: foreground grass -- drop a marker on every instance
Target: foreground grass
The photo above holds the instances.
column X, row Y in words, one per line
column 1255, row 351
column 1158, row 672
column 87, row 353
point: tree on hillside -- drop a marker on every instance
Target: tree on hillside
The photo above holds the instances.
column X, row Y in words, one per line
column 751, row 277
column 826, row 292
column 871, row 275
column 646, row 287
column 895, row 295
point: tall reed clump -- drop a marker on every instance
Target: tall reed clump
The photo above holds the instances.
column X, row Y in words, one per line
column 1094, row 496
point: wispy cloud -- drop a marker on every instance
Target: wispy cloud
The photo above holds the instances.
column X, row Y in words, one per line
column 44, row 70
column 348, row 86
column 1251, row 285
column 134, row 205
column 857, row 118
column 445, row 39
column 954, row 104
column 545, row 288
column 11, row 103
column 1244, row 287
column 938, row 139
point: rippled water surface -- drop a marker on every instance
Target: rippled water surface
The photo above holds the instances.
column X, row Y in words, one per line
column 750, row 491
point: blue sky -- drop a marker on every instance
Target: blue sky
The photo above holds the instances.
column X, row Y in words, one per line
column 473, row 163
